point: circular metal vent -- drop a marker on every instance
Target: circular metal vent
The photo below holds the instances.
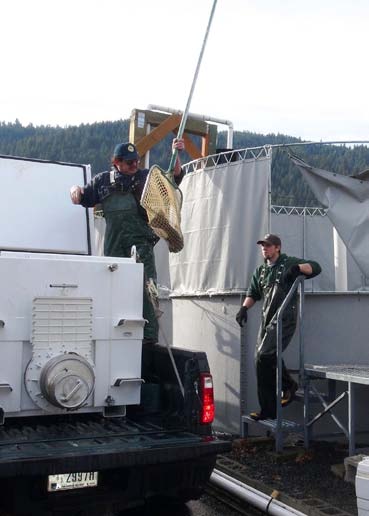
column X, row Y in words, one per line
column 67, row 381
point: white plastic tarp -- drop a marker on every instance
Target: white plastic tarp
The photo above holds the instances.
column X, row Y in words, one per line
column 347, row 200
column 308, row 237
column 225, row 211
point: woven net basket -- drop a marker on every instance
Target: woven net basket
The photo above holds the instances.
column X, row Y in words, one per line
column 162, row 201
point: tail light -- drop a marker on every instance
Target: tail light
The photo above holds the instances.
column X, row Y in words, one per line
column 207, row 398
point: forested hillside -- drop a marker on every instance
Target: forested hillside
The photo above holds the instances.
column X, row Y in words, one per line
column 93, row 144
column 87, row 143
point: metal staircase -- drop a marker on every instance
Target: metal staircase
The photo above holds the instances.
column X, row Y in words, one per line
column 308, row 394
column 281, row 426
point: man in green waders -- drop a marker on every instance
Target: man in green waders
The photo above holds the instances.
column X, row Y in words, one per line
column 119, row 192
column 271, row 282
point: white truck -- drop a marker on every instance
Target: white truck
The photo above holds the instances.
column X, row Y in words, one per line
column 81, row 430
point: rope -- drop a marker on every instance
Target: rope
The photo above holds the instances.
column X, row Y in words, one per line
column 152, row 292
column 273, row 496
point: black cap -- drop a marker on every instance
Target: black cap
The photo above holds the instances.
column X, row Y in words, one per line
column 270, row 239
column 125, row 151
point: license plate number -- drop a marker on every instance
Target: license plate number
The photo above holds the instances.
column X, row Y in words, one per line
column 66, row 481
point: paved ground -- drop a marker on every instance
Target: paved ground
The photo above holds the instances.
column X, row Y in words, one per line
column 206, row 506
column 305, row 480
column 305, row 477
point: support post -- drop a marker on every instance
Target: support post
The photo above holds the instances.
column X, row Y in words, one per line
column 351, row 418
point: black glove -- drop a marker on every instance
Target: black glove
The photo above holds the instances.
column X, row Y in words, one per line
column 292, row 273
column 241, row 316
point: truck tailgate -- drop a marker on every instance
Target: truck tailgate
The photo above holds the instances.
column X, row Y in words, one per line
column 96, row 445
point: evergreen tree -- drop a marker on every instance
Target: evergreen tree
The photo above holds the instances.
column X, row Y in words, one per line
column 93, row 144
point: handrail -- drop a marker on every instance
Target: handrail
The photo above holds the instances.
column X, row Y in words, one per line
column 298, row 281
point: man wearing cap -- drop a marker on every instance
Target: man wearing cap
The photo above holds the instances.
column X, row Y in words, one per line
column 271, row 282
column 119, row 192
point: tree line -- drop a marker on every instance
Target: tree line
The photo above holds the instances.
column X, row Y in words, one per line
column 93, row 144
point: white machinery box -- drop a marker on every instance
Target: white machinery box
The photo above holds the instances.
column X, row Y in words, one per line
column 71, row 324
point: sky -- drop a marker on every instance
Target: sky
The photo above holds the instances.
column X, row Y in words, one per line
column 270, row 66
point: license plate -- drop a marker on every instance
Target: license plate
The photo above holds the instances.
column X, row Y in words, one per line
column 66, row 481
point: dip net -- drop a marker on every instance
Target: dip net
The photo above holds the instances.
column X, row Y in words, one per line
column 162, row 201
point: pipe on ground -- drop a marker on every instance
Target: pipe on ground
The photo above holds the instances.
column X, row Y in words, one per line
column 256, row 498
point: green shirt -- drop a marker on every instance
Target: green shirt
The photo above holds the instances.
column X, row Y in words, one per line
column 267, row 275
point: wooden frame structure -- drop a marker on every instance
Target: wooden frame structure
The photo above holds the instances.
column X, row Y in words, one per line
column 147, row 128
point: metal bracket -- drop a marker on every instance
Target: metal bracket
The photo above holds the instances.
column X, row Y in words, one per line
column 6, row 386
column 327, row 409
column 119, row 381
column 134, row 253
column 122, row 322
column 62, row 285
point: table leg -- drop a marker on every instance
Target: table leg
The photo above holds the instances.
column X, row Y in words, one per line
column 351, row 418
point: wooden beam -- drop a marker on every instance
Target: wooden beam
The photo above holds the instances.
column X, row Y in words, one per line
column 193, row 125
column 205, row 145
column 191, row 148
column 157, row 134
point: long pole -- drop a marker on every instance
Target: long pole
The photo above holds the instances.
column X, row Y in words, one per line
column 185, row 113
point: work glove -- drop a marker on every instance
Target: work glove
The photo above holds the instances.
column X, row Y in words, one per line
column 241, row 316
column 292, row 273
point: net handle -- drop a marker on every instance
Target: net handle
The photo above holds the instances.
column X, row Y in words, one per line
column 185, row 113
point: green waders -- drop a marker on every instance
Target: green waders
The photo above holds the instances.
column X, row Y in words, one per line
column 266, row 347
column 126, row 227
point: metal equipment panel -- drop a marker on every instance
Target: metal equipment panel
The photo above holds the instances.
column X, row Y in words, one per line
column 38, row 203
column 49, row 336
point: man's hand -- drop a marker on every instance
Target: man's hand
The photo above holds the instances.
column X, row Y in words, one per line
column 76, row 194
column 292, row 273
column 178, row 144
column 241, row 316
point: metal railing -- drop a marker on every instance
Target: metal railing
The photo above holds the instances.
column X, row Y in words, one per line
column 299, row 282
column 226, row 157
column 298, row 210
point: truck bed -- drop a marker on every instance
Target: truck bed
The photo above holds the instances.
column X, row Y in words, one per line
column 159, row 449
column 94, row 443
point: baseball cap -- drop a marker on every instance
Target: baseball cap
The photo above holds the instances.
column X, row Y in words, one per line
column 125, row 151
column 270, row 239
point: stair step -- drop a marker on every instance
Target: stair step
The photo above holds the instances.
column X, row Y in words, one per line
column 271, row 424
